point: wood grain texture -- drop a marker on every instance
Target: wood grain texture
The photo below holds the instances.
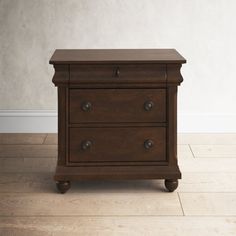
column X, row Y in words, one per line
column 117, row 87
column 29, row 205
column 61, row 75
column 28, row 151
column 194, row 182
column 208, row 164
column 42, row 182
column 184, row 151
column 26, row 182
column 214, row 151
column 113, row 172
column 117, row 105
column 103, row 204
column 118, row 73
column 173, row 74
column 172, row 125
column 207, row 138
column 23, row 165
column 209, row 204
column 116, row 226
column 51, row 139
column 62, row 124
column 208, row 182
column 117, row 144
column 78, row 56
column 19, row 138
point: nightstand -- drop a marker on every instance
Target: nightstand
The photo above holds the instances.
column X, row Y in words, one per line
column 117, row 115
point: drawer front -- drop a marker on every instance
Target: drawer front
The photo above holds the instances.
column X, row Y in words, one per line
column 132, row 73
column 117, row 144
column 117, row 105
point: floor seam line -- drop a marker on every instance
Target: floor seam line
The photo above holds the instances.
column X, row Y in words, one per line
column 45, row 138
column 191, row 150
column 181, row 204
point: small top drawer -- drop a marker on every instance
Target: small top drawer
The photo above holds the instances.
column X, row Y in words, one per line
column 128, row 73
column 117, row 105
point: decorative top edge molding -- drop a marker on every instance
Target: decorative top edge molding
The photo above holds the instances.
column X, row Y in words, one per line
column 61, row 75
column 174, row 74
column 77, row 56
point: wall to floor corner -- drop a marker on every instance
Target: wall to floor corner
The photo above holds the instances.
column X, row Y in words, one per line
column 202, row 31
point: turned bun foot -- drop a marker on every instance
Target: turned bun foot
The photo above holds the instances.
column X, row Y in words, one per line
column 63, row 186
column 171, row 184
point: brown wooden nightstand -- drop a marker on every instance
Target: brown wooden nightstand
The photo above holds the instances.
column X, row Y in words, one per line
column 117, row 115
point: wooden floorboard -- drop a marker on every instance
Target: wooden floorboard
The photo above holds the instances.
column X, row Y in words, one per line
column 42, row 182
column 28, row 151
column 12, row 138
column 203, row 205
column 117, row 225
column 89, row 204
column 26, row 165
column 51, row 139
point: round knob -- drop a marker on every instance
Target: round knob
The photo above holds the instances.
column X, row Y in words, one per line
column 148, row 144
column 86, row 144
column 148, row 105
column 86, row 106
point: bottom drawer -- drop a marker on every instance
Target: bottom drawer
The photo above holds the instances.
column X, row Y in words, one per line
column 117, row 144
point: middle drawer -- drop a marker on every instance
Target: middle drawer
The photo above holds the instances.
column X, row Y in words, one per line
column 117, row 105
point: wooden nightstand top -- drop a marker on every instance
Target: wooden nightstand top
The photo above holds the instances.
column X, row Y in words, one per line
column 83, row 56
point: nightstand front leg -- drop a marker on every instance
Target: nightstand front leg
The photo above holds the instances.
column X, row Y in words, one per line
column 171, row 184
column 63, row 186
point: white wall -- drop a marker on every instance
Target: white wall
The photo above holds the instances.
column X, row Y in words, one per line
column 203, row 31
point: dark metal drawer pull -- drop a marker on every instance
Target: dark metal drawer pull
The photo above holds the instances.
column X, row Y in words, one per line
column 148, row 144
column 86, row 106
column 148, row 105
column 117, row 72
column 86, row 144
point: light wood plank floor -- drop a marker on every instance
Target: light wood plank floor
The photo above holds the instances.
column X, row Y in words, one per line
column 203, row 205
